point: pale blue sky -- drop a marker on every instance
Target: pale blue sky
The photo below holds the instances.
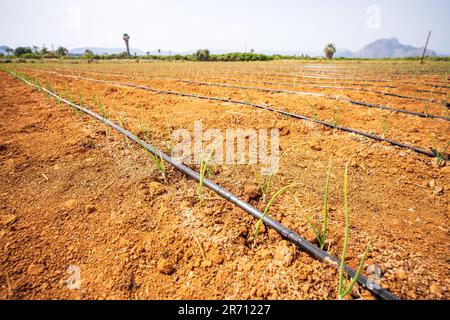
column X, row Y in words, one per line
column 282, row 25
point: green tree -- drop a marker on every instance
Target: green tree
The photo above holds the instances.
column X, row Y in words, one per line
column 330, row 50
column 9, row 51
column 62, row 51
column 44, row 50
column 22, row 50
column 88, row 54
column 201, row 55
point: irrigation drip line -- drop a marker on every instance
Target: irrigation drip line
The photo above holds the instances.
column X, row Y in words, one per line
column 419, row 114
column 345, row 81
column 362, row 80
column 264, row 107
column 348, row 88
column 318, row 85
column 327, row 96
column 322, row 95
column 268, row 221
column 431, row 91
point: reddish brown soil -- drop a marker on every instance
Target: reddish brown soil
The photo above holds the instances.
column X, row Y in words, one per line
column 74, row 193
column 407, row 129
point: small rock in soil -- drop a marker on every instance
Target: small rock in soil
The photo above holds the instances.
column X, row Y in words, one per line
column 438, row 190
column 401, row 274
column 436, row 290
column 251, row 192
column 284, row 255
column 156, row 188
column 432, row 184
column 217, row 258
column 35, row 269
column 164, row 266
column 89, row 208
column 7, row 219
column 206, row 263
column 70, row 204
column 374, row 269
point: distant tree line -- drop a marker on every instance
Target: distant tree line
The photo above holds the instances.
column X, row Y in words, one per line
column 35, row 52
column 200, row 55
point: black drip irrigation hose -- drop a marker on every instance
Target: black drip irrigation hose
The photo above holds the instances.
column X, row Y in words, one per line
column 431, row 91
column 264, row 107
column 322, row 95
column 269, row 222
column 362, row 80
column 346, row 88
column 343, row 81
column 310, row 85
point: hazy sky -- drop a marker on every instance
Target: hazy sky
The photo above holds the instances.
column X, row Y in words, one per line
column 282, row 25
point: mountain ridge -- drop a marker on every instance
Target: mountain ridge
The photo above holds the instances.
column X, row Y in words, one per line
column 390, row 48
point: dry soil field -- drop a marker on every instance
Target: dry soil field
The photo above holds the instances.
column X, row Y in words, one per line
column 74, row 195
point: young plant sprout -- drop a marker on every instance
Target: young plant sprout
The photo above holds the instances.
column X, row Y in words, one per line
column 266, row 182
column 266, row 210
column 440, row 154
column 156, row 158
column 119, row 117
column 336, row 118
column 321, row 232
column 385, row 125
column 345, row 289
column 426, row 108
column 445, row 107
column 103, row 111
column 205, row 168
column 169, row 141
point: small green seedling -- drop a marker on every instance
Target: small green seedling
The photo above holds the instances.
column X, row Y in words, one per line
column 103, row 111
column 343, row 289
column 266, row 210
column 336, row 118
column 205, row 169
column 426, row 108
column 156, row 158
column 321, row 232
column 266, row 182
column 445, row 107
column 439, row 154
column 385, row 125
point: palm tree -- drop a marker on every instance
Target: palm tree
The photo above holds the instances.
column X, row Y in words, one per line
column 9, row 51
column 330, row 50
column 62, row 52
column 126, row 38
